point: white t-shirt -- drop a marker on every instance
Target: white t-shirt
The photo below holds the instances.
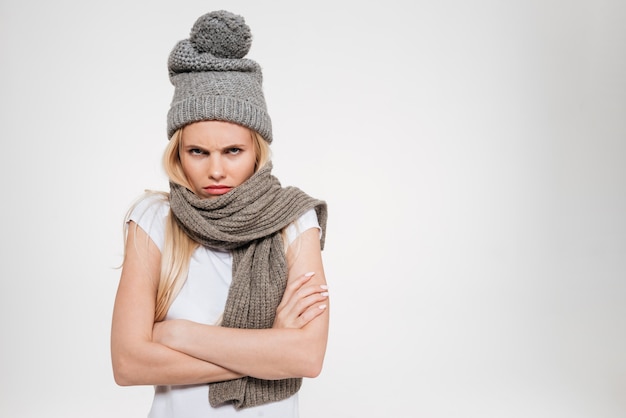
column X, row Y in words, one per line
column 202, row 299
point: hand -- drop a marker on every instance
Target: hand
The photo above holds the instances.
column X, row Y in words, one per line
column 301, row 303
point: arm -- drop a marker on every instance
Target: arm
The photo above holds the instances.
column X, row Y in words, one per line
column 136, row 359
column 274, row 353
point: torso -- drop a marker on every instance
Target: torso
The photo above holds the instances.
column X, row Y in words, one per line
column 202, row 299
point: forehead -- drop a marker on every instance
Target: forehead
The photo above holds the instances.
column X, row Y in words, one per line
column 214, row 131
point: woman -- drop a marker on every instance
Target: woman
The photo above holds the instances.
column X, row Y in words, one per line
column 222, row 301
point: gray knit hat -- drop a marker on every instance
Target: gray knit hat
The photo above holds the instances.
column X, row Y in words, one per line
column 212, row 79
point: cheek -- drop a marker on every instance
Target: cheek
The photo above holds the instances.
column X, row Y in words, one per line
column 184, row 164
column 250, row 168
column 189, row 168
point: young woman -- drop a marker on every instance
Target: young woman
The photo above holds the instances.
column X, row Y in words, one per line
column 222, row 303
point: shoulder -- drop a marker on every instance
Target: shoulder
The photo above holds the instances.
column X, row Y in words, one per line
column 312, row 212
column 150, row 201
column 150, row 213
column 305, row 222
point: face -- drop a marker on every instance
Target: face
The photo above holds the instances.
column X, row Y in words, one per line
column 216, row 157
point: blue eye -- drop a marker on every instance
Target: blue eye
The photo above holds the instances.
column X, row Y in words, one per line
column 196, row 151
column 234, row 151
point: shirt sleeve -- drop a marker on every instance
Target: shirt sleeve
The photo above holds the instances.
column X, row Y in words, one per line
column 305, row 222
column 150, row 213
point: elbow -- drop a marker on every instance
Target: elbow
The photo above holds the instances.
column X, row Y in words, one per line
column 311, row 366
column 122, row 372
column 121, row 379
column 131, row 363
column 313, row 369
column 310, row 359
column 305, row 364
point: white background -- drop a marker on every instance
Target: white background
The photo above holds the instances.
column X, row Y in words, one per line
column 472, row 153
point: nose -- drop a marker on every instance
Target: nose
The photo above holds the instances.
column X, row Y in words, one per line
column 216, row 168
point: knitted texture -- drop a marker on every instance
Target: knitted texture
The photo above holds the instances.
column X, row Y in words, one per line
column 213, row 81
column 248, row 221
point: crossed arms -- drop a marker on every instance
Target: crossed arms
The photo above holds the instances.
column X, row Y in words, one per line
column 176, row 352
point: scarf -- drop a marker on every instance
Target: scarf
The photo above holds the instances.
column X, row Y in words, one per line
column 247, row 221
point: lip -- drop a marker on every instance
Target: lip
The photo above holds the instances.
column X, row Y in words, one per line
column 217, row 190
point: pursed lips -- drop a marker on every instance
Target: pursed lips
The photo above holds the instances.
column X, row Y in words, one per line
column 217, row 189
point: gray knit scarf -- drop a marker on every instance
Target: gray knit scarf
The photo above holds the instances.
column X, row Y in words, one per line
column 248, row 221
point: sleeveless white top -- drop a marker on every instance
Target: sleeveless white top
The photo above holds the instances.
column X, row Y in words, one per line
column 202, row 299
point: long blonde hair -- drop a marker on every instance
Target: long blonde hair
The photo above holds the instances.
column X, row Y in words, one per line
column 178, row 247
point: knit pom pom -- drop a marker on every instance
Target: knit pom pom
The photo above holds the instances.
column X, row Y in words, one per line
column 222, row 34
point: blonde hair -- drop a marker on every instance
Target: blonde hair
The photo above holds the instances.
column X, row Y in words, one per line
column 178, row 247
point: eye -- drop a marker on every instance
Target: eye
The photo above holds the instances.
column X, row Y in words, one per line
column 233, row 151
column 196, row 151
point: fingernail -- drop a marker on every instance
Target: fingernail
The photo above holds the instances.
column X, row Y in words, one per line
column 323, row 286
column 322, row 306
column 309, row 274
column 324, row 293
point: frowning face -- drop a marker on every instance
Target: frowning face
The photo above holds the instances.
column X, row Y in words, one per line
column 216, row 156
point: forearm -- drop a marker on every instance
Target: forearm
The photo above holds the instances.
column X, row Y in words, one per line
column 289, row 349
column 265, row 354
column 150, row 363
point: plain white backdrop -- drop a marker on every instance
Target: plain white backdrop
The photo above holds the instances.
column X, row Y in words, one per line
column 472, row 154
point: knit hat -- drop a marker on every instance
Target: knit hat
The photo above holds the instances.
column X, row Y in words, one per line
column 212, row 79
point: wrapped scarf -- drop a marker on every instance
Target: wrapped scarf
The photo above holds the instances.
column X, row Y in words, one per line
column 248, row 221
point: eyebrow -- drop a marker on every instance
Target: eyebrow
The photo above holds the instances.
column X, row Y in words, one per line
column 227, row 147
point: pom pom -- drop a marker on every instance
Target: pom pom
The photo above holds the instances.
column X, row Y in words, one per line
column 222, row 34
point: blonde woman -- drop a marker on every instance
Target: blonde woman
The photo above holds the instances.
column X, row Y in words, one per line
column 222, row 302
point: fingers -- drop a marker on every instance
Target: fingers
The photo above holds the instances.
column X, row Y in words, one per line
column 307, row 297
column 311, row 313
column 293, row 287
column 312, row 305
column 301, row 303
column 300, row 297
column 303, row 312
